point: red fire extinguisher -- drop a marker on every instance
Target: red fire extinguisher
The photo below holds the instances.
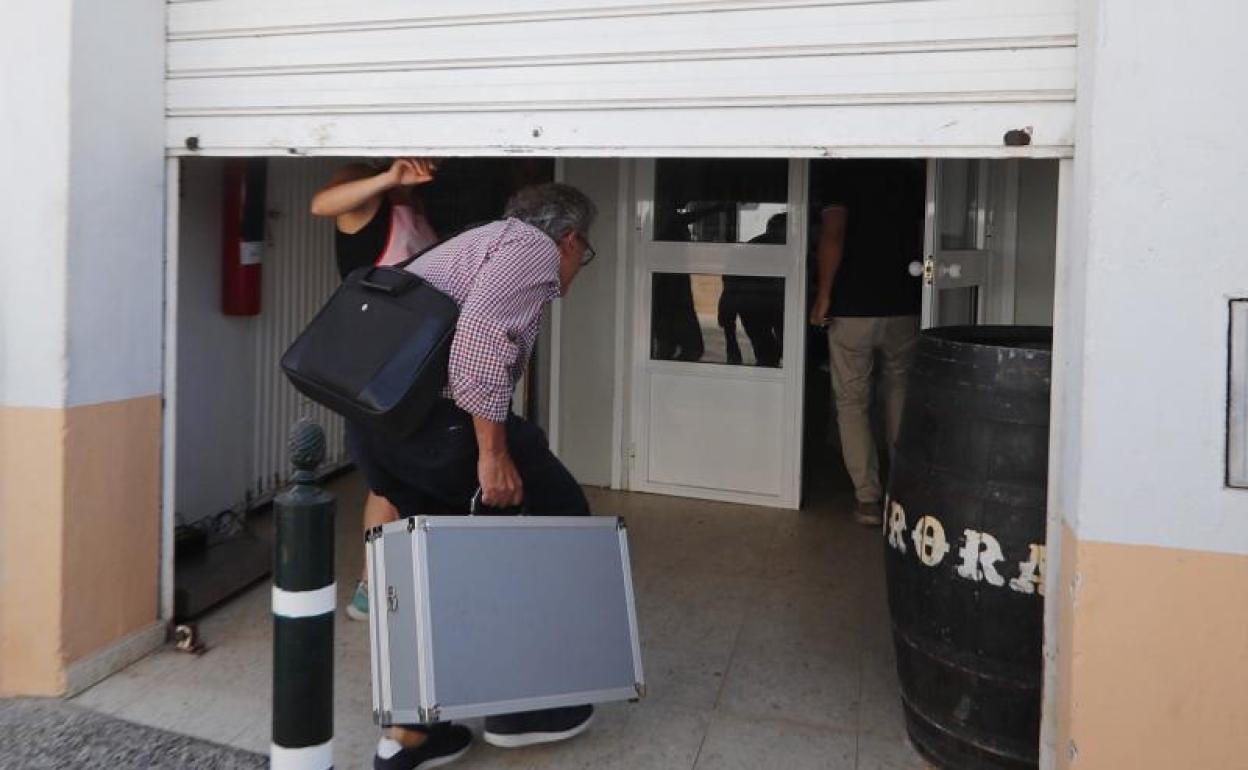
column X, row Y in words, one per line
column 242, row 236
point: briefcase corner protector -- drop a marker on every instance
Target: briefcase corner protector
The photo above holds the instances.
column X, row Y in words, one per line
column 430, row 714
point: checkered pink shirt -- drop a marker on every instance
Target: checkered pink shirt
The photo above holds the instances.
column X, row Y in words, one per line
column 501, row 275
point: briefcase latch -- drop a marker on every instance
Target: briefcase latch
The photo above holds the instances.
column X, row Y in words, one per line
column 392, row 599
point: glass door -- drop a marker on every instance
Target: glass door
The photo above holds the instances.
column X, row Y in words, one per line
column 955, row 271
column 718, row 305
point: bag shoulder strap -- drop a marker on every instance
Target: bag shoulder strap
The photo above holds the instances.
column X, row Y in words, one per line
column 435, row 244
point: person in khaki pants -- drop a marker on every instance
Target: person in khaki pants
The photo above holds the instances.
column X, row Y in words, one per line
column 870, row 304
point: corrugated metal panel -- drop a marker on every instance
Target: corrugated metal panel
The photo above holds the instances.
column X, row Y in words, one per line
column 617, row 78
column 299, row 275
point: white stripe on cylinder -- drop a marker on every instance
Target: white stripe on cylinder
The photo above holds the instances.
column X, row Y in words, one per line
column 307, row 758
column 305, row 604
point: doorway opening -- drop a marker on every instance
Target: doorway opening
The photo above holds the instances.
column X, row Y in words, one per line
column 881, row 204
column 953, row 241
column 231, row 406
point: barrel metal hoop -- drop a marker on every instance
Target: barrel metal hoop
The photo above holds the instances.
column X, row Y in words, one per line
column 981, row 744
column 944, row 658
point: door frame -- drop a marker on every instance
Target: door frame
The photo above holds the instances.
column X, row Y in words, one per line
column 621, row 397
column 169, row 389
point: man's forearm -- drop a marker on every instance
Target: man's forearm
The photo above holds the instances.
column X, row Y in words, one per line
column 501, row 485
column 831, row 249
column 829, row 263
column 491, row 436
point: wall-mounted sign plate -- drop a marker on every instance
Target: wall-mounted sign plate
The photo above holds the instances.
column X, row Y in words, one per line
column 1237, row 397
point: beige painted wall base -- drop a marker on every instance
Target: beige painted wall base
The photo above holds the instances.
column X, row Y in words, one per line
column 79, row 538
column 97, row 667
column 32, row 482
column 111, row 523
column 1153, row 670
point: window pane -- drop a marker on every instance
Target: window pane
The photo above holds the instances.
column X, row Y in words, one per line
column 959, row 205
column 717, row 319
column 721, row 201
column 958, row 307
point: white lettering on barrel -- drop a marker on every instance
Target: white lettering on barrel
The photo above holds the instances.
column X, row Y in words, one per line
column 1031, row 572
column 930, row 544
column 897, row 526
column 979, row 553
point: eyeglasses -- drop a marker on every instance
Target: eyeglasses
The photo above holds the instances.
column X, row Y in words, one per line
column 589, row 254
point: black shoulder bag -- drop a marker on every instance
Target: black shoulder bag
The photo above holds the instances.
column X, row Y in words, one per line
column 377, row 352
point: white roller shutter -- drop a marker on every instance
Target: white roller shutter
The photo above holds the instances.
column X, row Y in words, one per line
column 611, row 77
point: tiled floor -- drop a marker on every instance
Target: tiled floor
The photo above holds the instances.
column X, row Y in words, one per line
column 765, row 640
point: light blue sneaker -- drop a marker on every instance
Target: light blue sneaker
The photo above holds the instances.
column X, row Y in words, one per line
column 358, row 608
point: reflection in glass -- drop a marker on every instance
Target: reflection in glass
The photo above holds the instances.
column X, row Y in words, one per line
column 959, row 205
column 706, row 200
column 958, row 306
column 717, row 319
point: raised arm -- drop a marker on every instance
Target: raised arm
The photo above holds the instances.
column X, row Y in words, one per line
column 354, row 193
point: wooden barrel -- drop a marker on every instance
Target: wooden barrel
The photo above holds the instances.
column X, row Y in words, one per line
column 964, row 543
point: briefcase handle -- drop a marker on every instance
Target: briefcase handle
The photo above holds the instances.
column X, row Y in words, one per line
column 475, row 505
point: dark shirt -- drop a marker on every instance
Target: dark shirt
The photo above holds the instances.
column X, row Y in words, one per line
column 883, row 201
column 364, row 246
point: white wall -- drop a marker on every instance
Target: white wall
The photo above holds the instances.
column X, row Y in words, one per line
column 621, row 77
column 587, row 334
column 234, row 406
column 1155, row 249
column 216, row 361
column 34, row 162
column 82, row 94
column 1035, row 264
column 116, row 207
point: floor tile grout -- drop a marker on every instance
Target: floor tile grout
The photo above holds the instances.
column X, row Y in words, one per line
column 736, row 643
column 754, row 598
column 862, row 643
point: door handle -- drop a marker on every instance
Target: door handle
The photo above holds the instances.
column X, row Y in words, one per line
column 927, row 269
column 930, row 270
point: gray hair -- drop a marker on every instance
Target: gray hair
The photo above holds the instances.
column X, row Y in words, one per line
column 553, row 208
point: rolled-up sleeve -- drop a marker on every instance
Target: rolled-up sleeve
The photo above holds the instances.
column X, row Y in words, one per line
column 498, row 321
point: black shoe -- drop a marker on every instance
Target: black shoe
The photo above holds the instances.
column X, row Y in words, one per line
column 445, row 744
column 532, row 727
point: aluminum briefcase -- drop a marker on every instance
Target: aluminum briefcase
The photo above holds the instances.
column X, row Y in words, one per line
column 479, row 615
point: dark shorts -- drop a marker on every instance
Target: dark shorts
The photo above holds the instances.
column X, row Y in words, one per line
column 434, row 470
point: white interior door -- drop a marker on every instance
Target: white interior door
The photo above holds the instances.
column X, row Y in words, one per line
column 969, row 240
column 719, row 294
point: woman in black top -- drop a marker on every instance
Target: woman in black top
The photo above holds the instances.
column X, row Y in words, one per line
column 379, row 220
